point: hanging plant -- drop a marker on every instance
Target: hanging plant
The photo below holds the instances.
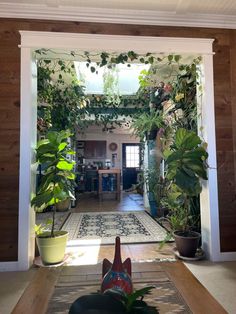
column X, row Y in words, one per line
column 73, row 105
column 111, row 85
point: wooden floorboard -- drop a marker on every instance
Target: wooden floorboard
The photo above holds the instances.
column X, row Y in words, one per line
column 37, row 295
column 195, row 294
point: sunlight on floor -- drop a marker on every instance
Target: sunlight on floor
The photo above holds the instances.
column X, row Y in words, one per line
column 82, row 254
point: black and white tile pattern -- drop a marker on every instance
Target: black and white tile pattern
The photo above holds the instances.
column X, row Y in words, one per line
column 103, row 227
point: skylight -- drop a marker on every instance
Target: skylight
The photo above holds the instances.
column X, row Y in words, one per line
column 128, row 83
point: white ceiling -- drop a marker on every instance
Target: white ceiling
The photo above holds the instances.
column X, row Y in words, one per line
column 205, row 13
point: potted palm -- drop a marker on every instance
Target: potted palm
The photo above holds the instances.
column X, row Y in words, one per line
column 56, row 185
column 147, row 124
column 185, row 168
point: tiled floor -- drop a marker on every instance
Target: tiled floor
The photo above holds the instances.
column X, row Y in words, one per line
column 94, row 254
column 88, row 202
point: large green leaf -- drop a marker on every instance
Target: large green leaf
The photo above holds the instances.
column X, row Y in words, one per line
column 46, row 148
column 60, row 194
column 188, row 184
column 53, row 137
column 180, row 136
column 42, row 199
column 186, row 139
column 70, row 152
column 42, row 142
column 197, row 153
column 45, row 182
column 198, row 168
column 191, row 141
column 63, row 135
column 174, row 156
column 62, row 146
column 65, row 165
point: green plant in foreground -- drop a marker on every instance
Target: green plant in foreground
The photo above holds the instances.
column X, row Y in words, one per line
column 132, row 301
column 58, row 177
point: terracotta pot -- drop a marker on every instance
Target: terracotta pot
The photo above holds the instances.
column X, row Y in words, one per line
column 63, row 205
column 187, row 242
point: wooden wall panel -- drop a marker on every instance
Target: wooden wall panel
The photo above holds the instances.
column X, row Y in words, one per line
column 225, row 99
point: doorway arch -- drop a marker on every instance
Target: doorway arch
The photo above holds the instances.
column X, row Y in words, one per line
column 30, row 41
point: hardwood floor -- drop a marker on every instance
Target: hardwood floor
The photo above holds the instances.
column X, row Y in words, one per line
column 36, row 297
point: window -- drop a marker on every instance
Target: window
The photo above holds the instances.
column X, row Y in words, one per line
column 132, row 156
column 128, row 82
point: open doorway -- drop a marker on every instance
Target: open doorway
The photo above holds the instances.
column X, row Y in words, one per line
column 28, row 72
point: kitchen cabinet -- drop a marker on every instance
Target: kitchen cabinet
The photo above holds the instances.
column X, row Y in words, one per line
column 95, row 149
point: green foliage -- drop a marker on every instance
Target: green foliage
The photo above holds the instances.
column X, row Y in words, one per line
column 111, row 86
column 58, row 177
column 185, row 167
column 39, row 229
column 146, row 122
column 129, row 300
column 186, row 162
column 61, row 97
column 155, row 183
column 63, row 104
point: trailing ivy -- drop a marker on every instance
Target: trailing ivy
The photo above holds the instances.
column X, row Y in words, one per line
column 63, row 103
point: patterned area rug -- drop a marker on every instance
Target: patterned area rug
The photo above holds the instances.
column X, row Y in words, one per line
column 165, row 296
column 103, row 227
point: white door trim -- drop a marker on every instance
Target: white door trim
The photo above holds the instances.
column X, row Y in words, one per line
column 69, row 41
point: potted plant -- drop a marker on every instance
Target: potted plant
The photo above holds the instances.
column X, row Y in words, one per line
column 147, row 124
column 153, row 185
column 56, row 185
column 114, row 301
column 186, row 165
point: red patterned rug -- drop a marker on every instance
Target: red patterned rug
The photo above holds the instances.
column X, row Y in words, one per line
column 71, row 285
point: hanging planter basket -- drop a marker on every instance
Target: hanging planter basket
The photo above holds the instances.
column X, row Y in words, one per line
column 151, row 135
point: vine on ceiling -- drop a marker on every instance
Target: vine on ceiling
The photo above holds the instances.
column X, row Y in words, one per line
column 63, row 103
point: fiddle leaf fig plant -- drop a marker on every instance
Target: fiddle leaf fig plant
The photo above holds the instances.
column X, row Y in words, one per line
column 58, row 177
column 186, row 166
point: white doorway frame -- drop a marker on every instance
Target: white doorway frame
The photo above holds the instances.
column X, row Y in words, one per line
column 30, row 41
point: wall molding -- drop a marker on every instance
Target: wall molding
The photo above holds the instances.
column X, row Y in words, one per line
column 116, row 16
column 117, row 43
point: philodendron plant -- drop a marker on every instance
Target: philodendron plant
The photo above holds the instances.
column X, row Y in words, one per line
column 57, row 183
column 185, row 167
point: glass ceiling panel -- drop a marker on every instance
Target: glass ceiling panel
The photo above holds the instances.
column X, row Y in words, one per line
column 128, row 83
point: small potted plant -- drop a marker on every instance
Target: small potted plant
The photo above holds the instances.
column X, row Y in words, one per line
column 114, row 301
column 56, row 185
column 186, row 166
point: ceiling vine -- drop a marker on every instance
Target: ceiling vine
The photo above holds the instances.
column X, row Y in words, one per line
column 64, row 104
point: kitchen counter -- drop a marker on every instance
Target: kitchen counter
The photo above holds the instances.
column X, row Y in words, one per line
column 109, row 182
